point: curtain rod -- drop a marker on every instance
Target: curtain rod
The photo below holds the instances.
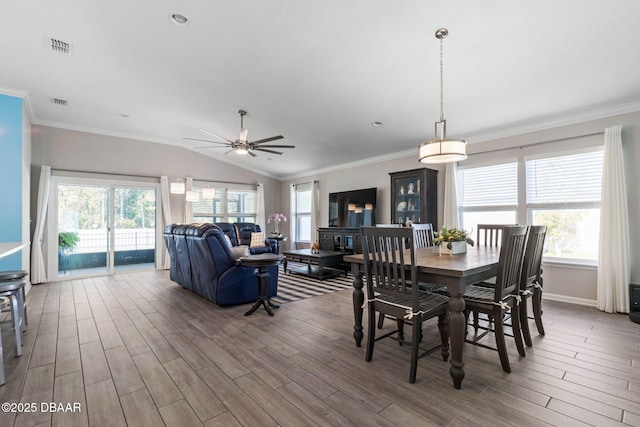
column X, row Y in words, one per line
column 223, row 182
column 105, row 173
column 539, row 143
column 143, row 176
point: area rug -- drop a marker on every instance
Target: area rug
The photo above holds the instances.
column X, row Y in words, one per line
column 293, row 287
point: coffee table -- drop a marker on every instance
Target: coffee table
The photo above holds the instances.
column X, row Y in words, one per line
column 321, row 265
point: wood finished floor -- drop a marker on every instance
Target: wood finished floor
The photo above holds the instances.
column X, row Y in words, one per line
column 136, row 349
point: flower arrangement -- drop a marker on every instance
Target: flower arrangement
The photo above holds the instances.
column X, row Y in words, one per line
column 276, row 218
column 449, row 235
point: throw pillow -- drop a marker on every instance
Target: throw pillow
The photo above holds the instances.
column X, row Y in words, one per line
column 257, row 240
column 238, row 251
column 228, row 239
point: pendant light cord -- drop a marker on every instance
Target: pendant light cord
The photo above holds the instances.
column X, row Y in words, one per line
column 441, row 85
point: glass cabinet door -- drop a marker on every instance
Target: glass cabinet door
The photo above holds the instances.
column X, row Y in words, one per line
column 414, row 196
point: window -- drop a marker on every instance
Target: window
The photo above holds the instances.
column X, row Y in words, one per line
column 488, row 195
column 563, row 193
column 302, row 211
column 227, row 205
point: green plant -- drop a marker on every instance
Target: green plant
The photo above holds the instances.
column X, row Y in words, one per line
column 449, row 235
column 68, row 240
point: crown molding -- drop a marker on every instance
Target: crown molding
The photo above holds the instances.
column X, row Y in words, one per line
column 135, row 137
column 554, row 121
column 515, row 129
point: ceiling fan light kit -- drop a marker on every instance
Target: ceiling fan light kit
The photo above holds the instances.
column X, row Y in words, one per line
column 440, row 149
column 242, row 145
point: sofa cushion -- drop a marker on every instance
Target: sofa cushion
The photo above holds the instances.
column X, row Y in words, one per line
column 228, row 239
column 257, row 240
column 238, row 251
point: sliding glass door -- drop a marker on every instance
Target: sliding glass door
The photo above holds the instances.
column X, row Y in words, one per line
column 100, row 227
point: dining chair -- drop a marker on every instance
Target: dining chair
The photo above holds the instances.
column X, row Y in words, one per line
column 503, row 296
column 490, row 234
column 424, row 235
column 392, row 288
column 424, row 238
column 531, row 281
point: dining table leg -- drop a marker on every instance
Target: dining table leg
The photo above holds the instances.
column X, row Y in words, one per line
column 457, row 326
column 358, row 301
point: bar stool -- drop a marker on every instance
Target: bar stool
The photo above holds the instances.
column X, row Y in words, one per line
column 12, row 288
column 4, row 302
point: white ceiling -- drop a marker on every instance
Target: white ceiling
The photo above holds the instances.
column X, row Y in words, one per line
column 319, row 71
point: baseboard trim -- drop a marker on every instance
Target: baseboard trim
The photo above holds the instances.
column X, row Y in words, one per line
column 571, row 300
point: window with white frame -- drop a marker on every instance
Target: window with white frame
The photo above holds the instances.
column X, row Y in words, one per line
column 488, row 195
column 227, row 204
column 301, row 209
column 560, row 190
column 563, row 193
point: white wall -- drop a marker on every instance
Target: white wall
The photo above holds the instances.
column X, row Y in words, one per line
column 575, row 284
column 82, row 151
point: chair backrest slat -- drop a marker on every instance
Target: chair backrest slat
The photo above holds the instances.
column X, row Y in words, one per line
column 514, row 239
column 490, row 234
column 390, row 260
column 424, row 235
column 533, row 255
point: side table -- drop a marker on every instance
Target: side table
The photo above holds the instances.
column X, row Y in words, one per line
column 261, row 262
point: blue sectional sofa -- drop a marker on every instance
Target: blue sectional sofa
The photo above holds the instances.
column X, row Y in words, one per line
column 202, row 261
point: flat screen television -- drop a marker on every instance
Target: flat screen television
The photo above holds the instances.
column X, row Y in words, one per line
column 353, row 208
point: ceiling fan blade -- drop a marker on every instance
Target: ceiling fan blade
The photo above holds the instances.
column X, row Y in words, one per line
column 217, row 136
column 252, row 154
column 205, row 140
column 230, row 151
column 219, row 146
column 273, row 138
column 277, row 146
column 267, row 151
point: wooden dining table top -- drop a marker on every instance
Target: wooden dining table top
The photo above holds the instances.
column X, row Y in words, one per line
column 429, row 260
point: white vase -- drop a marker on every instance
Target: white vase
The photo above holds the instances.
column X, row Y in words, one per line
column 456, row 248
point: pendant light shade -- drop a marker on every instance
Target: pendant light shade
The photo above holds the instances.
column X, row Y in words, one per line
column 440, row 149
column 177, row 187
column 208, row 193
column 193, row 196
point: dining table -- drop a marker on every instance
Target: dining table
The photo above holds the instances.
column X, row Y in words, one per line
column 453, row 271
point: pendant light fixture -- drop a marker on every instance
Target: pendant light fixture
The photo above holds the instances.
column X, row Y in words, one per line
column 440, row 149
column 177, row 187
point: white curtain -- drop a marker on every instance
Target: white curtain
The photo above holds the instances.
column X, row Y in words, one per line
column 188, row 207
column 614, row 273
column 292, row 217
column 166, row 216
column 260, row 213
column 38, row 270
column 451, row 218
column 315, row 210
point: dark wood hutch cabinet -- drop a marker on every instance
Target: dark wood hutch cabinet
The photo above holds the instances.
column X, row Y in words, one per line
column 414, row 196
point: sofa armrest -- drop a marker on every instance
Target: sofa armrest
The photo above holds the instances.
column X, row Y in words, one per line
column 274, row 244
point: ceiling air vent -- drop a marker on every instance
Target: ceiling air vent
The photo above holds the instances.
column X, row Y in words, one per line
column 60, row 46
column 59, row 101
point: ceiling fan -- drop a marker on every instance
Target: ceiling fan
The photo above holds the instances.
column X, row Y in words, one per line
column 242, row 145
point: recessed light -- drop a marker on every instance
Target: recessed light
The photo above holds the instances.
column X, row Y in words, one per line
column 179, row 19
column 377, row 124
